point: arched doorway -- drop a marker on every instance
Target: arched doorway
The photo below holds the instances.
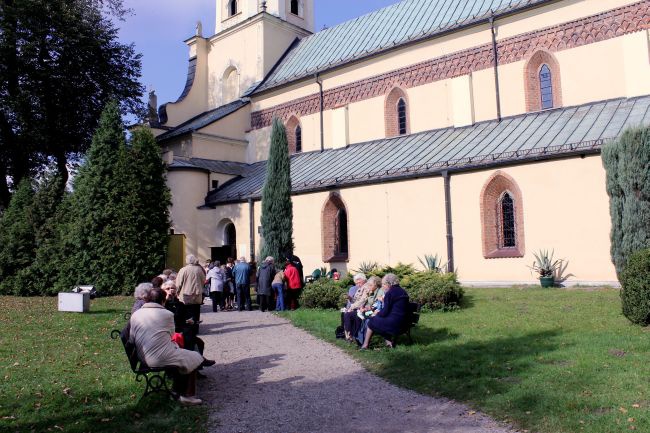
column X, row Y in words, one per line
column 227, row 238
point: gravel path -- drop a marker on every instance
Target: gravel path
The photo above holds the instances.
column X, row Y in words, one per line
column 271, row 377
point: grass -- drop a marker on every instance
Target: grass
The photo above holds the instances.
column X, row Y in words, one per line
column 545, row 360
column 62, row 372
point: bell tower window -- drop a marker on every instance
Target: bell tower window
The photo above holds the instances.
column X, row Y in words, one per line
column 295, row 7
column 232, row 7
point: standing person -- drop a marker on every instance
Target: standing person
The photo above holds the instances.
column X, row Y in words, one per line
column 265, row 275
column 278, row 288
column 241, row 273
column 294, row 285
column 189, row 282
column 295, row 261
column 230, row 283
column 217, row 278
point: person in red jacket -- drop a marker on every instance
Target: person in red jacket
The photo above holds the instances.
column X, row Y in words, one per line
column 294, row 284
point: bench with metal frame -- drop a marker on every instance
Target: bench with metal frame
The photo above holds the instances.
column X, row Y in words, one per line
column 409, row 323
column 157, row 379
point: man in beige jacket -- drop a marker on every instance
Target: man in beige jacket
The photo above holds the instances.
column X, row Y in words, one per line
column 189, row 281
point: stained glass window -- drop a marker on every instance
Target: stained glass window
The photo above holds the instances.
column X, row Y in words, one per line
column 546, row 87
column 401, row 116
column 507, row 233
column 298, row 139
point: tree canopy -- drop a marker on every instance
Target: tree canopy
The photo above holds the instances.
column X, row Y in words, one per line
column 60, row 63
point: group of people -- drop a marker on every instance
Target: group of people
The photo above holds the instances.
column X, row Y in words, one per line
column 275, row 287
column 374, row 306
column 164, row 327
column 165, row 317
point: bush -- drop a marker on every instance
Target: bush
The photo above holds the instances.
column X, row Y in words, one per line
column 635, row 294
column 433, row 290
column 323, row 293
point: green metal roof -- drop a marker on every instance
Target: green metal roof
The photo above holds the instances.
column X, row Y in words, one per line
column 548, row 134
column 392, row 26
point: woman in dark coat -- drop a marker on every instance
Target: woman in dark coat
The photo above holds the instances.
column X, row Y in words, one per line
column 265, row 275
column 389, row 320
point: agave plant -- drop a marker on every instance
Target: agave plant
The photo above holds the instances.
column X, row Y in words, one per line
column 367, row 267
column 544, row 263
column 431, row 262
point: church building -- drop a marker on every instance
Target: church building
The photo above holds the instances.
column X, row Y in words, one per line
column 471, row 129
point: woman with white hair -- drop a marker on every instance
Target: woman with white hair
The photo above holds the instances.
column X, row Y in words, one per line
column 265, row 275
column 141, row 295
column 217, row 278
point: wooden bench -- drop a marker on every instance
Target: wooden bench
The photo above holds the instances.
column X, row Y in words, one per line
column 157, row 379
column 410, row 321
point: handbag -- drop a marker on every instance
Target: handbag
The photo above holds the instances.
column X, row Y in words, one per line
column 340, row 332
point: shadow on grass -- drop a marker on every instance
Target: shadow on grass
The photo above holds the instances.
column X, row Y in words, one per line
column 467, row 302
column 426, row 335
column 476, row 371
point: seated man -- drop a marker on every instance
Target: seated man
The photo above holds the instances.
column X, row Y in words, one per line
column 151, row 331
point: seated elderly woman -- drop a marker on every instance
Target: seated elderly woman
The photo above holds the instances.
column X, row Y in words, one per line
column 151, row 330
column 363, row 299
column 390, row 318
column 141, row 295
column 183, row 322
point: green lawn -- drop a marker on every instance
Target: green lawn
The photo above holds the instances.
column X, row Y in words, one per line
column 545, row 360
column 62, row 372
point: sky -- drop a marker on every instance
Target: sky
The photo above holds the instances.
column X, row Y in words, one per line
column 159, row 27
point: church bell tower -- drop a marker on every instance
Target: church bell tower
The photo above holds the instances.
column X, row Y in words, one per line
column 297, row 12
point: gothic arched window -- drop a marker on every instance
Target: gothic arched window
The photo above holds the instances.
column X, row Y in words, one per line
column 335, row 230
column 543, row 86
column 396, row 113
column 294, row 134
column 502, row 222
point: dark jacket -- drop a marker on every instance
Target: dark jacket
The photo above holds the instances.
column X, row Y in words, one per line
column 265, row 275
column 391, row 317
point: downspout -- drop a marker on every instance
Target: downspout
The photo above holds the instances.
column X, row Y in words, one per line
column 496, row 67
column 320, row 93
column 251, row 228
column 450, row 236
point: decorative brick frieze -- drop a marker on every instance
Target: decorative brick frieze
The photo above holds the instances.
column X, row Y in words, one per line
column 584, row 31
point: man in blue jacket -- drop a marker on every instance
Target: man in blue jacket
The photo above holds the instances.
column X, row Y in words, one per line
column 241, row 272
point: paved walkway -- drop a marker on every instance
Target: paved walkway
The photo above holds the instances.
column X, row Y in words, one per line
column 271, row 377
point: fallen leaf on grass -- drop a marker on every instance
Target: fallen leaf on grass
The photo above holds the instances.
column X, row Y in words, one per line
column 622, row 409
column 9, row 417
column 58, row 427
column 630, row 420
column 636, row 405
column 66, row 391
column 471, row 412
column 106, row 419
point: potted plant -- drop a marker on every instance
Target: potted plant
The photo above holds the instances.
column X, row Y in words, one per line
column 545, row 266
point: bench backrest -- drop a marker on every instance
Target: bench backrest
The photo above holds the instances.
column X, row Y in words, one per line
column 129, row 348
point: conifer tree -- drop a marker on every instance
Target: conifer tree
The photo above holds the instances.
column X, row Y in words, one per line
column 627, row 162
column 277, row 208
column 147, row 201
column 17, row 240
column 101, row 254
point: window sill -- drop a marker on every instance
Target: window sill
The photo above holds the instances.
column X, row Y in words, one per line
column 504, row 253
column 337, row 258
column 231, row 17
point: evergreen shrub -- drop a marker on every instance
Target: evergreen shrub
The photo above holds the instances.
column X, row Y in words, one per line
column 434, row 290
column 635, row 292
column 323, row 293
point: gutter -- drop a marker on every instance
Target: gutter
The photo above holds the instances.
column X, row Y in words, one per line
column 320, row 93
column 450, row 234
column 251, row 228
column 496, row 67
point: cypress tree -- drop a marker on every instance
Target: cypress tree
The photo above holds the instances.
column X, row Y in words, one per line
column 17, row 239
column 277, row 208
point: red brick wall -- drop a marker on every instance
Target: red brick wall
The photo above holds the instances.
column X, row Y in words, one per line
column 491, row 194
column 531, row 80
column 584, row 31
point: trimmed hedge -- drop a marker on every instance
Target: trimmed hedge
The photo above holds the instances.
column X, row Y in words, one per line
column 434, row 290
column 323, row 293
column 635, row 292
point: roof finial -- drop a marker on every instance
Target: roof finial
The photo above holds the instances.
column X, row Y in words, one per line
column 264, row 6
